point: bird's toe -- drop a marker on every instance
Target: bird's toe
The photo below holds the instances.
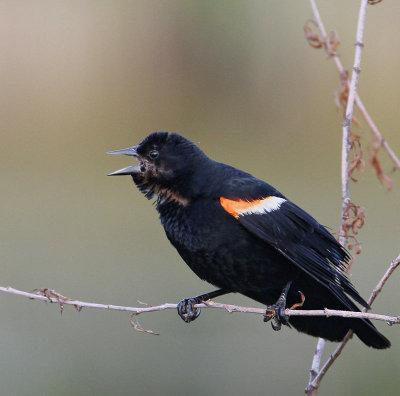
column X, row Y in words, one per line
column 187, row 311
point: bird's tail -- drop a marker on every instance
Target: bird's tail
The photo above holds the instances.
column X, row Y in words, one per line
column 368, row 334
column 331, row 328
column 335, row 328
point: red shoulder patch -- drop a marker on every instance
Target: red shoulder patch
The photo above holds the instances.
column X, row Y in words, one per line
column 235, row 207
column 242, row 207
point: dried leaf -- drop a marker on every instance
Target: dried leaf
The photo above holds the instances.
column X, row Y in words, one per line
column 357, row 162
column 52, row 294
column 377, row 167
column 355, row 248
column 137, row 327
column 312, row 38
column 334, row 41
column 341, row 95
column 373, row 2
column 353, row 218
column 342, row 92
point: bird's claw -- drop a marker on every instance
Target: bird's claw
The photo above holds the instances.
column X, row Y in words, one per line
column 276, row 313
column 187, row 311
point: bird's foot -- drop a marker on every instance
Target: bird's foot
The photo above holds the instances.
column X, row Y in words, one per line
column 276, row 312
column 187, row 311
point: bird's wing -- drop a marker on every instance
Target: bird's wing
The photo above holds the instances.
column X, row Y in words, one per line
column 299, row 237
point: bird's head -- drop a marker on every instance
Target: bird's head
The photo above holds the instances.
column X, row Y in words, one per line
column 167, row 162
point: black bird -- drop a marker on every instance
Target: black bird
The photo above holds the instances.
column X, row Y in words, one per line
column 242, row 235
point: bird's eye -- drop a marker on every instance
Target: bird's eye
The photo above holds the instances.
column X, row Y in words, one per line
column 153, row 154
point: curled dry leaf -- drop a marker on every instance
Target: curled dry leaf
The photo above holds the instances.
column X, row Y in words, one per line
column 342, row 91
column 316, row 41
column 357, row 162
column 377, row 167
column 137, row 327
column 312, row 38
column 353, row 218
column 355, row 248
column 334, row 41
column 373, row 2
column 50, row 294
column 342, row 94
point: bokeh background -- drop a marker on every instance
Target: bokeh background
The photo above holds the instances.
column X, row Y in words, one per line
column 79, row 78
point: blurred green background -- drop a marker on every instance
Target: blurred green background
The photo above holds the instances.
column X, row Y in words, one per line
column 79, row 78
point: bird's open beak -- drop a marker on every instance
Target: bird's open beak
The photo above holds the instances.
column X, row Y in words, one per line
column 129, row 170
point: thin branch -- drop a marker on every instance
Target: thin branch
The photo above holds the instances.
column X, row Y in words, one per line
column 348, row 118
column 317, row 379
column 312, row 390
column 316, row 363
column 375, row 131
column 393, row 265
column 52, row 296
column 331, row 52
column 390, row 320
column 349, row 115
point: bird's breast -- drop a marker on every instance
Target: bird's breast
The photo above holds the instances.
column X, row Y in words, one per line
column 217, row 248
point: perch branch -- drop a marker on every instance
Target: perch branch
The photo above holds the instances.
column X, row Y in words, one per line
column 52, row 296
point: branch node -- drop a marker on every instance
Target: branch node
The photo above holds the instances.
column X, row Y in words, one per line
column 346, row 122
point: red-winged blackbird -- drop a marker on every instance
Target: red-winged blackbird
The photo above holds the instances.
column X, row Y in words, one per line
column 242, row 235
